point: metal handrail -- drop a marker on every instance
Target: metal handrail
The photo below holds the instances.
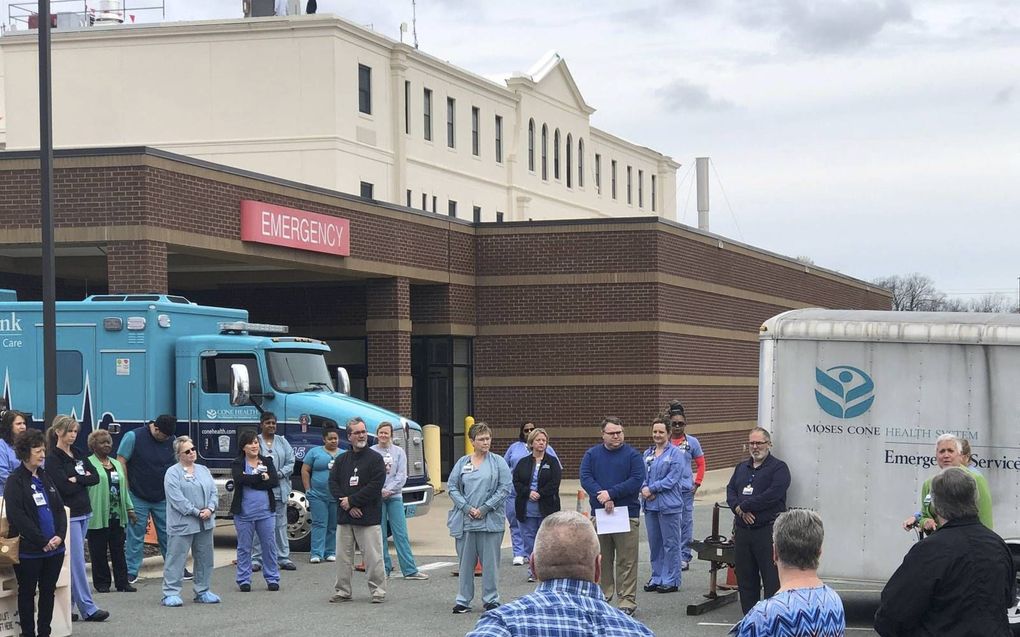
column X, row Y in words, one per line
column 19, row 13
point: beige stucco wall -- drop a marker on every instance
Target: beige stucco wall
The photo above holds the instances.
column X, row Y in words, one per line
column 280, row 96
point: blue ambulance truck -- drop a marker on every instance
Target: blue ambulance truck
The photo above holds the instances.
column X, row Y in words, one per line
column 122, row 360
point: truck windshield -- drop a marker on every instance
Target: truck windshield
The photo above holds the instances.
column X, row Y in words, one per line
column 298, row 371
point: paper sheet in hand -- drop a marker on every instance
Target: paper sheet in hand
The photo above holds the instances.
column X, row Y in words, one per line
column 617, row 522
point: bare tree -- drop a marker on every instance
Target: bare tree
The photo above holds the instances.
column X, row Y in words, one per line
column 992, row 303
column 913, row 293
column 917, row 293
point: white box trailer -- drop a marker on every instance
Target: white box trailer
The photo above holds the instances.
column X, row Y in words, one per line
column 855, row 400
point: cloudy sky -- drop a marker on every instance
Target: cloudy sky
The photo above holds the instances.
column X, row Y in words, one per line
column 874, row 137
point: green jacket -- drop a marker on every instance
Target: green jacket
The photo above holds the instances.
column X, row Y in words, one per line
column 99, row 495
column 984, row 500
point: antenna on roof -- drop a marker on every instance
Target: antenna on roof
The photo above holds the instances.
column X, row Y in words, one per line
column 414, row 22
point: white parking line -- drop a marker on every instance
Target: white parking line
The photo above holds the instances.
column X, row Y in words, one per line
column 431, row 566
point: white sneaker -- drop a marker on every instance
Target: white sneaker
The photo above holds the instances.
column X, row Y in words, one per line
column 315, row 559
column 331, row 558
column 518, row 561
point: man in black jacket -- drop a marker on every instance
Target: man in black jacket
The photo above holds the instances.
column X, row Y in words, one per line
column 356, row 483
column 756, row 494
column 959, row 581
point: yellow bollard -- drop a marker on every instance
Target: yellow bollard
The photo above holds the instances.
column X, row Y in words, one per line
column 469, row 421
column 433, row 456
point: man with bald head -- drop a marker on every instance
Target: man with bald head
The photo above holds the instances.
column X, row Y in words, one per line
column 568, row 601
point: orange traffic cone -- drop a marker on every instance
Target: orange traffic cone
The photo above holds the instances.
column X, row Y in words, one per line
column 731, row 579
column 360, row 567
column 150, row 533
column 478, row 568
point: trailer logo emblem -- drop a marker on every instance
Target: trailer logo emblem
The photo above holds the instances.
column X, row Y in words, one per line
column 844, row 391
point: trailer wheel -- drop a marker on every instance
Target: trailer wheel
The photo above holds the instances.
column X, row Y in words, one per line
column 299, row 522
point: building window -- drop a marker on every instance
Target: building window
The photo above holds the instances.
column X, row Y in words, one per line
column 408, row 197
column 570, row 162
column 630, row 184
column 424, row 202
column 451, row 122
column 653, row 193
column 475, row 114
column 545, row 152
column 499, row 217
column 365, row 89
column 407, row 108
column 598, row 173
column 477, row 214
column 612, row 176
column 531, row 145
column 427, row 110
column 556, row 154
column 499, row 140
column 641, row 189
column 580, row 163
column 451, row 208
column 435, row 200
column 366, row 190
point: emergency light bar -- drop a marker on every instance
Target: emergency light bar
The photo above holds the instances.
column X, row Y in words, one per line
column 253, row 328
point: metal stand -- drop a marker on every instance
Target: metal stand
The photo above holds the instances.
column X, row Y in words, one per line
column 718, row 550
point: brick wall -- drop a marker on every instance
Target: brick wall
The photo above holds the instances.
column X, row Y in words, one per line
column 544, row 337
column 136, row 267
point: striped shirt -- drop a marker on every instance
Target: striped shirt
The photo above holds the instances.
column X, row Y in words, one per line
column 559, row 608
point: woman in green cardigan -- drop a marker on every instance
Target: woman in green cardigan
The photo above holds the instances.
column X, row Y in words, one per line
column 111, row 511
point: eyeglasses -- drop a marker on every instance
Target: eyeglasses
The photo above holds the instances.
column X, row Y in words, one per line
column 758, row 444
column 363, row 432
column 189, row 450
column 613, row 433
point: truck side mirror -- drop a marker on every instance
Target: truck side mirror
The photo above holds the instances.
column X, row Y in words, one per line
column 240, row 386
column 343, row 381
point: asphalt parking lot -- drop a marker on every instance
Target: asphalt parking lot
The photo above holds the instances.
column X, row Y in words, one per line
column 413, row 608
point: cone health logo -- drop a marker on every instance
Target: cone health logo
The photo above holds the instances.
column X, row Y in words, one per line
column 844, row 391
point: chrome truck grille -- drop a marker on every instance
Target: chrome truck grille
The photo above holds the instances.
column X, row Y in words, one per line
column 414, row 449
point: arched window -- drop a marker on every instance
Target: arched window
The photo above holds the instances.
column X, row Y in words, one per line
column 556, row 154
column 531, row 145
column 570, row 163
column 580, row 163
column 545, row 152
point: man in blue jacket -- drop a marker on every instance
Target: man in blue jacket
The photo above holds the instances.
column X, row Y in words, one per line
column 612, row 474
column 757, row 495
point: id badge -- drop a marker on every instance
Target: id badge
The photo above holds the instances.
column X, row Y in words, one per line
column 40, row 499
column 468, row 467
column 748, row 490
column 79, row 468
column 115, row 477
column 353, row 481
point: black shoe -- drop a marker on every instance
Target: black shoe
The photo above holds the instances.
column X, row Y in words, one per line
column 127, row 589
column 245, row 588
column 255, row 567
column 667, row 589
column 98, row 616
column 651, row 588
column 491, row 605
column 630, row 610
column 74, row 617
column 460, row 610
column 188, row 574
column 288, row 566
column 273, row 586
column 103, row 590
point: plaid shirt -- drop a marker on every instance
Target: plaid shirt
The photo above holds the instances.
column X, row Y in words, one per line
column 559, row 608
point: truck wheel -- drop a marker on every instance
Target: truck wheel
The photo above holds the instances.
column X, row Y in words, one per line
column 299, row 522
